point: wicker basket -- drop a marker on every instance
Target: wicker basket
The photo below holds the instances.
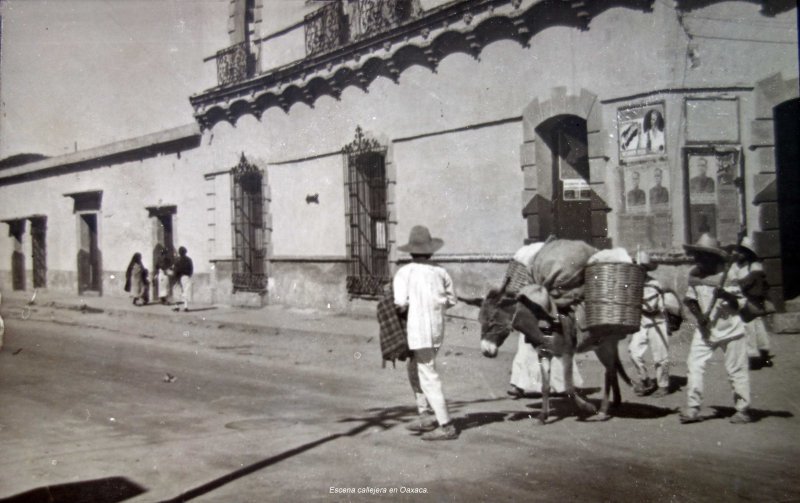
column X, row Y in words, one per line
column 517, row 276
column 613, row 294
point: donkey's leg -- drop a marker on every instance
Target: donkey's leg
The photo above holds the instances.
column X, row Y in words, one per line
column 545, row 372
column 569, row 386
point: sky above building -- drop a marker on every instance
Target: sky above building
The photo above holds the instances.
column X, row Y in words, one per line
column 91, row 72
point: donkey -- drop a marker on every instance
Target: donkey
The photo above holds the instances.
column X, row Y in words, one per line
column 500, row 313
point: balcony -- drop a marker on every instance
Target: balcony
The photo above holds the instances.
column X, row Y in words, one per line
column 353, row 42
column 339, row 23
column 234, row 64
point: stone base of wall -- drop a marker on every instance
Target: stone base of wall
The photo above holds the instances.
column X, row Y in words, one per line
column 319, row 285
column 475, row 279
column 57, row 281
column 247, row 299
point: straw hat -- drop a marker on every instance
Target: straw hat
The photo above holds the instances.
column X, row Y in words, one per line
column 540, row 298
column 748, row 246
column 420, row 242
column 707, row 244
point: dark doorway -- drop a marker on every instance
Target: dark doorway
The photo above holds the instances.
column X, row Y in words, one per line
column 39, row 251
column 164, row 237
column 89, row 270
column 17, row 231
column 572, row 208
column 787, row 162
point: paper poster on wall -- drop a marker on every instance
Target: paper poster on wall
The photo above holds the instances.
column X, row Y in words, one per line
column 647, row 189
column 714, row 196
column 576, row 189
column 641, row 132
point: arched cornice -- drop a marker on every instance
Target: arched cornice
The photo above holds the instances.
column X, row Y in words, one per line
column 460, row 27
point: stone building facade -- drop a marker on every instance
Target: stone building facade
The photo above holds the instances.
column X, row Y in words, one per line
column 635, row 123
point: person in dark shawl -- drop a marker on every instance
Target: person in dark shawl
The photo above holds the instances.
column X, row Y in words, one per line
column 136, row 280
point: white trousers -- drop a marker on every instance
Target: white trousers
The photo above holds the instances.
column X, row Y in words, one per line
column 657, row 342
column 185, row 286
column 757, row 336
column 526, row 374
column 736, row 365
column 427, row 385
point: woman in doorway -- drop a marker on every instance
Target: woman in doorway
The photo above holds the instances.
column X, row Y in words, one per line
column 136, row 280
column 163, row 266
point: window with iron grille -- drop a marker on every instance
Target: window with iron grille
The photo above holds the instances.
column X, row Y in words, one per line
column 367, row 215
column 249, row 252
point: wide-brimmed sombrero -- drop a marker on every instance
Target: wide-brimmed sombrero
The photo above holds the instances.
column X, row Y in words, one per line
column 706, row 244
column 420, row 242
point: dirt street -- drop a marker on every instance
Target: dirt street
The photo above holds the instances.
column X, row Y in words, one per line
column 183, row 410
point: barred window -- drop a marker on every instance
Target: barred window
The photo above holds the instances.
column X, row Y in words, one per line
column 249, row 252
column 367, row 215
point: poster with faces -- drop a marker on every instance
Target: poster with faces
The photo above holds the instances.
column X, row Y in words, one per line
column 647, row 189
column 641, row 132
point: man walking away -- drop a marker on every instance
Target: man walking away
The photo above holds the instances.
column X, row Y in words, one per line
column 426, row 290
column 183, row 278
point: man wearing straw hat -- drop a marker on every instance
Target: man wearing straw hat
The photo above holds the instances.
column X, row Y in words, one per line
column 653, row 333
column 426, row 291
column 749, row 273
column 714, row 299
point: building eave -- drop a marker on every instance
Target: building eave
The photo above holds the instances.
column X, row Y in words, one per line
column 465, row 26
column 167, row 141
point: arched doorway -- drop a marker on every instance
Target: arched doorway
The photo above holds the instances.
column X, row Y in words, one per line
column 787, row 167
column 566, row 139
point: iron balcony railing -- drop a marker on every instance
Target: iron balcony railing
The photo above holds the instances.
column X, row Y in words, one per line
column 341, row 22
column 234, row 64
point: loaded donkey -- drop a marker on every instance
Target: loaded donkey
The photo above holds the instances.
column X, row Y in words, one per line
column 542, row 297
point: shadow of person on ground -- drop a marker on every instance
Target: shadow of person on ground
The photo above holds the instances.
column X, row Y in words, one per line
column 384, row 418
column 107, row 490
column 198, row 309
column 723, row 412
column 676, row 383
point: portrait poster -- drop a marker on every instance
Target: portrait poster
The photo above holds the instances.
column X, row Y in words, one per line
column 714, row 195
column 641, row 133
column 647, row 189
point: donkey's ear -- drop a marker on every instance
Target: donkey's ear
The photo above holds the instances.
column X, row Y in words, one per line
column 507, row 301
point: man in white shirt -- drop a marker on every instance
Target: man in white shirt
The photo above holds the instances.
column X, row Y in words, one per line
column 426, row 291
column 714, row 299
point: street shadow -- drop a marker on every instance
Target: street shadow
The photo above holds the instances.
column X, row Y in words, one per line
column 199, row 309
column 478, row 419
column 557, row 394
column 724, row 412
column 636, row 410
column 383, row 418
column 676, row 383
column 561, row 407
column 107, row 490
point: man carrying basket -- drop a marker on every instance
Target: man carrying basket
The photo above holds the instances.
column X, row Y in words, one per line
column 714, row 299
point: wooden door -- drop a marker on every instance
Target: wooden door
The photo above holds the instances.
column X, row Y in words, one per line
column 89, row 274
column 572, row 207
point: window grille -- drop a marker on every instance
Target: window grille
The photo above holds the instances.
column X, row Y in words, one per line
column 367, row 215
column 249, row 252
